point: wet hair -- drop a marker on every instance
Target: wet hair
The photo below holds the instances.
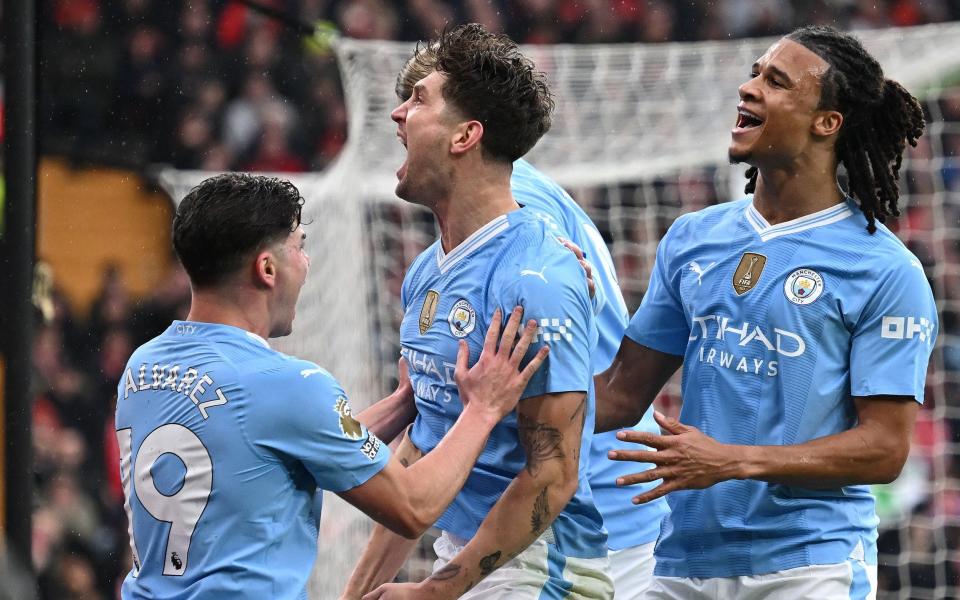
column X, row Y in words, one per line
column 226, row 218
column 490, row 80
column 879, row 118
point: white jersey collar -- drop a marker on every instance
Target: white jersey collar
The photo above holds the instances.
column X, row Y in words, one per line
column 478, row 238
column 767, row 232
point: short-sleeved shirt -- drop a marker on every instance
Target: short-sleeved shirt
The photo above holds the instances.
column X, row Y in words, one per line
column 513, row 260
column 627, row 524
column 780, row 326
column 223, row 444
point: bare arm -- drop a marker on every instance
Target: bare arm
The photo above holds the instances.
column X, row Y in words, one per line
column 873, row 451
column 408, row 501
column 386, row 551
column 627, row 389
column 390, row 416
column 550, row 431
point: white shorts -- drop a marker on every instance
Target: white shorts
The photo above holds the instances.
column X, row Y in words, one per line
column 632, row 570
column 539, row 572
column 850, row 580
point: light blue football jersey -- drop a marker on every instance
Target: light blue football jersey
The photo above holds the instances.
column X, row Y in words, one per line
column 513, row 260
column 223, row 443
column 780, row 326
column 627, row 525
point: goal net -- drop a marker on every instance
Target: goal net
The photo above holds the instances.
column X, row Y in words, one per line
column 639, row 137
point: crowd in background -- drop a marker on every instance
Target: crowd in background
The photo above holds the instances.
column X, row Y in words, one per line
column 211, row 84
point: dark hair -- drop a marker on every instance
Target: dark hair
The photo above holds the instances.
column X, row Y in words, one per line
column 225, row 218
column 879, row 118
column 489, row 80
column 418, row 66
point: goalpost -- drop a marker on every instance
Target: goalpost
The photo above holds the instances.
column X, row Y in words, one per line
column 639, row 137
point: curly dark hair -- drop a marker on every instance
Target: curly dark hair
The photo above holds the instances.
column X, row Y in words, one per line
column 227, row 217
column 490, row 80
column 879, row 118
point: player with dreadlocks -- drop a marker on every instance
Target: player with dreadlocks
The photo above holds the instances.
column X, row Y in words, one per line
column 804, row 328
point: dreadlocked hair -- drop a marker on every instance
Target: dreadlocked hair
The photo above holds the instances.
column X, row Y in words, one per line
column 879, row 118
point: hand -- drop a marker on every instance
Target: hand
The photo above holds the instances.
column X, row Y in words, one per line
column 400, row 591
column 404, row 387
column 685, row 459
column 583, row 263
column 495, row 383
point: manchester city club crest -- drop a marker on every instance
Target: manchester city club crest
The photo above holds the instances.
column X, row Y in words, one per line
column 803, row 286
column 462, row 319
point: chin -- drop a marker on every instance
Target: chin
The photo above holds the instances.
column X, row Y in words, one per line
column 738, row 155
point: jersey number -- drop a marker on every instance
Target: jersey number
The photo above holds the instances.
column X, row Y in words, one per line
column 181, row 509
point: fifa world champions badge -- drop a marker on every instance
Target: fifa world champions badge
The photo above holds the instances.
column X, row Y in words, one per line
column 803, row 286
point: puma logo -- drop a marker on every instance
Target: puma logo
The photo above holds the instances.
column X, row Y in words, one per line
column 308, row 372
column 535, row 273
column 695, row 267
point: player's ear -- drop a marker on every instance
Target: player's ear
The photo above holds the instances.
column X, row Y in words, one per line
column 466, row 137
column 265, row 270
column 826, row 123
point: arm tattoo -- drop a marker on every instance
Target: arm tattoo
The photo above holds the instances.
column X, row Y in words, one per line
column 580, row 412
column 541, row 512
column 488, row 563
column 449, row 571
column 541, row 443
column 404, row 462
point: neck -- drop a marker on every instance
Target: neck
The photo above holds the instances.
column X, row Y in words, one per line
column 472, row 203
column 230, row 306
column 784, row 194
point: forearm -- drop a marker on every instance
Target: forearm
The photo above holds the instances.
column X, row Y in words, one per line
column 435, row 480
column 385, row 551
column 857, row 456
column 616, row 406
column 388, row 417
column 528, row 506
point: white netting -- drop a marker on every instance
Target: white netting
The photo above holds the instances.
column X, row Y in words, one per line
column 639, row 137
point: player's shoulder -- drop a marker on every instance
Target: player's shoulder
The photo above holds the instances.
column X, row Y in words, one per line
column 883, row 252
column 534, row 257
column 295, row 376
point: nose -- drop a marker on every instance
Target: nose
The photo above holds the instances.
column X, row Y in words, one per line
column 748, row 89
column 399, row 114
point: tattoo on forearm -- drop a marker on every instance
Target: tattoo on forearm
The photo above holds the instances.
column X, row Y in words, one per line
column 580, row 412
column 488, row 563
column 541, row 443
column 449, row 571
column 404, row 462
column 541, row 512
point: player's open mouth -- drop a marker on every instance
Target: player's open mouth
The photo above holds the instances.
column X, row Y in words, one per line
column 747, row 119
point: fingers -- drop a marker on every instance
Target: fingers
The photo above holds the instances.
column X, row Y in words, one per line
column 573, row 248
column 668, row 424
column 643, row 456
column 644, row 476
column 520, row 350
column 533, row 365
column 463, row 359
column 658, row 492
column 403, row 372
column 644, row 437
column 490, row 342
column 510, row 331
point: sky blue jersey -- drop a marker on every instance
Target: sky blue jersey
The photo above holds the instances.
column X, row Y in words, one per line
column 513, row 260
column 223, row 443
column 780, row 326
column 627, row 524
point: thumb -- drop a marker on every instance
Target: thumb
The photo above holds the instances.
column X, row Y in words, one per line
column 403, row 372
column 669, row 425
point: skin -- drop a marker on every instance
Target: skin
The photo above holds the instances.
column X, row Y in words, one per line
column 794, row 151
column 446, row 172
column 261, row 297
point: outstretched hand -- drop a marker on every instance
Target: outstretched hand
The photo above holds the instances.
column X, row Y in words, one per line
column 685, row 458
column 496, row 381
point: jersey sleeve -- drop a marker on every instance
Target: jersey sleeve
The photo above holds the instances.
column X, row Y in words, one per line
column 893, row 338
column 313, row 424
column 660, row 323
column 552, row 289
